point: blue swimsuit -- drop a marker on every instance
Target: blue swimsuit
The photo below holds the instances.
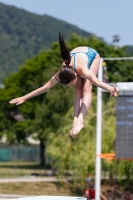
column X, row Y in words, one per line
column 91, row 54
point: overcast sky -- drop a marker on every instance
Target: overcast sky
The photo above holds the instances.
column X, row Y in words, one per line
column 104, row 18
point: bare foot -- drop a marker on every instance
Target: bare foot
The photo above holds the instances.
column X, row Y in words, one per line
column 76, row 129
column 74, row 123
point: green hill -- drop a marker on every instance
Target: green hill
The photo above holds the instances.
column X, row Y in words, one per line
column 24, row 34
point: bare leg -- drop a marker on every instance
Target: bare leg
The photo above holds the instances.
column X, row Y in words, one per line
column 78, row 98
column 87, row 97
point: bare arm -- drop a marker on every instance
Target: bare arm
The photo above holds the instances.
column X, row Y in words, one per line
column 91, row 76
column 36, row 92
column 42, row 89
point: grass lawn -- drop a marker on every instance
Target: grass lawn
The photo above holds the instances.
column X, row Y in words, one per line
column 18, row 169
column 54, row 189
column 38, row 188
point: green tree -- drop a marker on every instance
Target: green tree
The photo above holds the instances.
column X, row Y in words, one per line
column 43, row 113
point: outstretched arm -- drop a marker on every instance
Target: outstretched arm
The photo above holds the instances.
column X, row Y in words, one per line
column 36, row 92
column 88, row 74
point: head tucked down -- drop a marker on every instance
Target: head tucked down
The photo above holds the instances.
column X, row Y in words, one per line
column 66, row 74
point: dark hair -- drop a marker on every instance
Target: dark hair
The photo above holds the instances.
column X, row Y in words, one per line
column 108, row 191
column 66, row 73
column 127, row 189
column 91, row 186
column 65, row 54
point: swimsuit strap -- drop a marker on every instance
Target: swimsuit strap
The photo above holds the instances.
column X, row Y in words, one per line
column 74, row 54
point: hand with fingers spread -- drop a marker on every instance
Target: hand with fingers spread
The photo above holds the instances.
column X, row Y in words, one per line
column 17, row 101
column 114, row 92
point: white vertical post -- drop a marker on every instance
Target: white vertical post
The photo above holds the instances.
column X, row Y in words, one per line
column 98, row 135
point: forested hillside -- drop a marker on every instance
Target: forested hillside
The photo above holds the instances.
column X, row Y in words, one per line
column 24, row 34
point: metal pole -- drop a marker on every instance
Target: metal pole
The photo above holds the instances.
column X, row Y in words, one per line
column 119, row 58
column 98, row 135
